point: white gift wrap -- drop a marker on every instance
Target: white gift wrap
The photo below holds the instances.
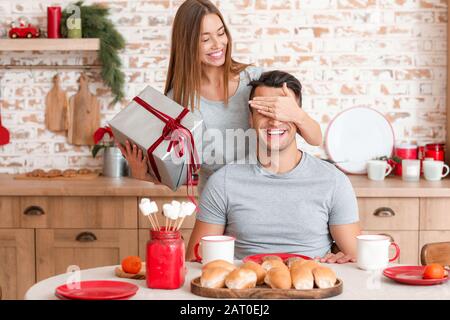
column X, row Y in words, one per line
column 142, row 128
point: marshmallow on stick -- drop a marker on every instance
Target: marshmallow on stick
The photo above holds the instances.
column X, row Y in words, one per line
column 187, row 209
column 170, row 213
column 148, row 208
column 176, row 206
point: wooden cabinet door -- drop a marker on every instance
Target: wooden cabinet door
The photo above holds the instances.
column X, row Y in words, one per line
column 433, row 236
column 17, row 268
column 408, row 241
column 57, row 249
column 434, row 214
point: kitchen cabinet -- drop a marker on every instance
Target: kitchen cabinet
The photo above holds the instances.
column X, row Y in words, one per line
column 17, row 262
column 58, row 249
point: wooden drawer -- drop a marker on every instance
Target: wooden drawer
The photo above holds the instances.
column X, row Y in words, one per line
column 144, row 223
column 408, row 241
column 9, row 207
column 389, row 213
column 58, row 249
column 17, row 262
column 144, row 236
column 435, row 214
column 78, row 212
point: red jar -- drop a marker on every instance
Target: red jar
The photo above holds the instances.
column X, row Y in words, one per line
column 404, row 151
column 435, row 151
column 165, row 260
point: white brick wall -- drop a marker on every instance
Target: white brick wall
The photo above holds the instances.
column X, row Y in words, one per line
column 386, row 54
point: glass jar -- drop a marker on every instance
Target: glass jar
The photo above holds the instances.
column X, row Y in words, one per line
column 165, row 264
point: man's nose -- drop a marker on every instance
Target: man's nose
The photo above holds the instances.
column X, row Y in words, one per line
column 275, row 122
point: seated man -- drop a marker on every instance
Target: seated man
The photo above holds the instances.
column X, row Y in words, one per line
column 287, row 200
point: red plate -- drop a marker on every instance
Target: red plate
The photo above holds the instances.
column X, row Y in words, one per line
column 98, row 290
column 258, row 257
column 411, row 275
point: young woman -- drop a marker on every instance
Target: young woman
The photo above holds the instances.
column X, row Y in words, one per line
column 203, row 76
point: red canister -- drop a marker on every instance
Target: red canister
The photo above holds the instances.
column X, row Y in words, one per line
column 165, row 260
column 435, row 151
column 404, row 151
column 53, row 22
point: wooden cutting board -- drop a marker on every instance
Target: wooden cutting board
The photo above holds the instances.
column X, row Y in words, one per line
column 88, row 176
column 56, row 108
column 265, row 292
column 83, row 115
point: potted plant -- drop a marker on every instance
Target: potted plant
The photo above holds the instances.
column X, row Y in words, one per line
column 114, row 164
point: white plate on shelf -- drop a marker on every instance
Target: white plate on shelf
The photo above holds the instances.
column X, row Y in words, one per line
column 357, row 135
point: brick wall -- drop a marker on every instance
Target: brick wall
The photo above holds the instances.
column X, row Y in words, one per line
column 386, row 54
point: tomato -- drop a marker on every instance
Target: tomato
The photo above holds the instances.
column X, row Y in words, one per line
column 434, row 271
column 131, row 264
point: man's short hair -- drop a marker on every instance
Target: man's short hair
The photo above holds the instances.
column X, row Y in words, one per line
column 275, row 79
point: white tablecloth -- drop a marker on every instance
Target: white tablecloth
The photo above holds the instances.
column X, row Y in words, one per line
column 358, row 284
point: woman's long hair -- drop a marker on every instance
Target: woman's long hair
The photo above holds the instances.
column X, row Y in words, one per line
column 185, row 67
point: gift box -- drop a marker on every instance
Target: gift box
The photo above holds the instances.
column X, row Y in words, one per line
column 165, row 131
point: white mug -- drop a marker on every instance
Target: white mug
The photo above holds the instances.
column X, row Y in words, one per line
column 432, row 170
column 378, row 169
column 410, row 170
column 373, row 252
column 215, row 248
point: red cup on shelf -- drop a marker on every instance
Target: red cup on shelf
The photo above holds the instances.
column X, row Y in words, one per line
column 404, row 151
column 53, row 22
column 435, row 151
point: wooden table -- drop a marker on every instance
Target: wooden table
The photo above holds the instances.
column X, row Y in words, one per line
column 358, row 285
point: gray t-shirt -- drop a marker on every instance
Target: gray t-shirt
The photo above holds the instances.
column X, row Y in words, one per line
column 217, row 115
column 288, row 212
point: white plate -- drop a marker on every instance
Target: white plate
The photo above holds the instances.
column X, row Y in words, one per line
column 357, row 135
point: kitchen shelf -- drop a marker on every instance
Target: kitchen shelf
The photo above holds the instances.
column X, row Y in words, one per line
column 44, row 44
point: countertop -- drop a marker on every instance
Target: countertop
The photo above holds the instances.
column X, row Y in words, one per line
column 104, row 186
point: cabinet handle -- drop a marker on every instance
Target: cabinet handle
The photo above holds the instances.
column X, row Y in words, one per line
column 34, row 211
column 387, row 235
column 384, row 212
column 86, row 237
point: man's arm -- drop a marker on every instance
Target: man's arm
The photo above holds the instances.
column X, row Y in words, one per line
column 345, row 237
column 200, row 230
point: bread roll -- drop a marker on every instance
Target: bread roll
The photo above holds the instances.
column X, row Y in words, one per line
column 219, row 263
column 269, row 264
column 278, row 278
column 304, row 264
column 269, row 257
column 324, row 277
column 260, row 272
column 214, row 277
column 302, row 278
column 241, row 279
column 291, row 260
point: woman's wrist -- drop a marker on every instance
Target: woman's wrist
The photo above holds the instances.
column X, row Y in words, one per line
column 300, row 118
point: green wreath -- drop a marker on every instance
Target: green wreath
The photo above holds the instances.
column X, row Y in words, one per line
column 95, row 24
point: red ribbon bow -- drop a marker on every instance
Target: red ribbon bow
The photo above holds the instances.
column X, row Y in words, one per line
column 179, row 137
